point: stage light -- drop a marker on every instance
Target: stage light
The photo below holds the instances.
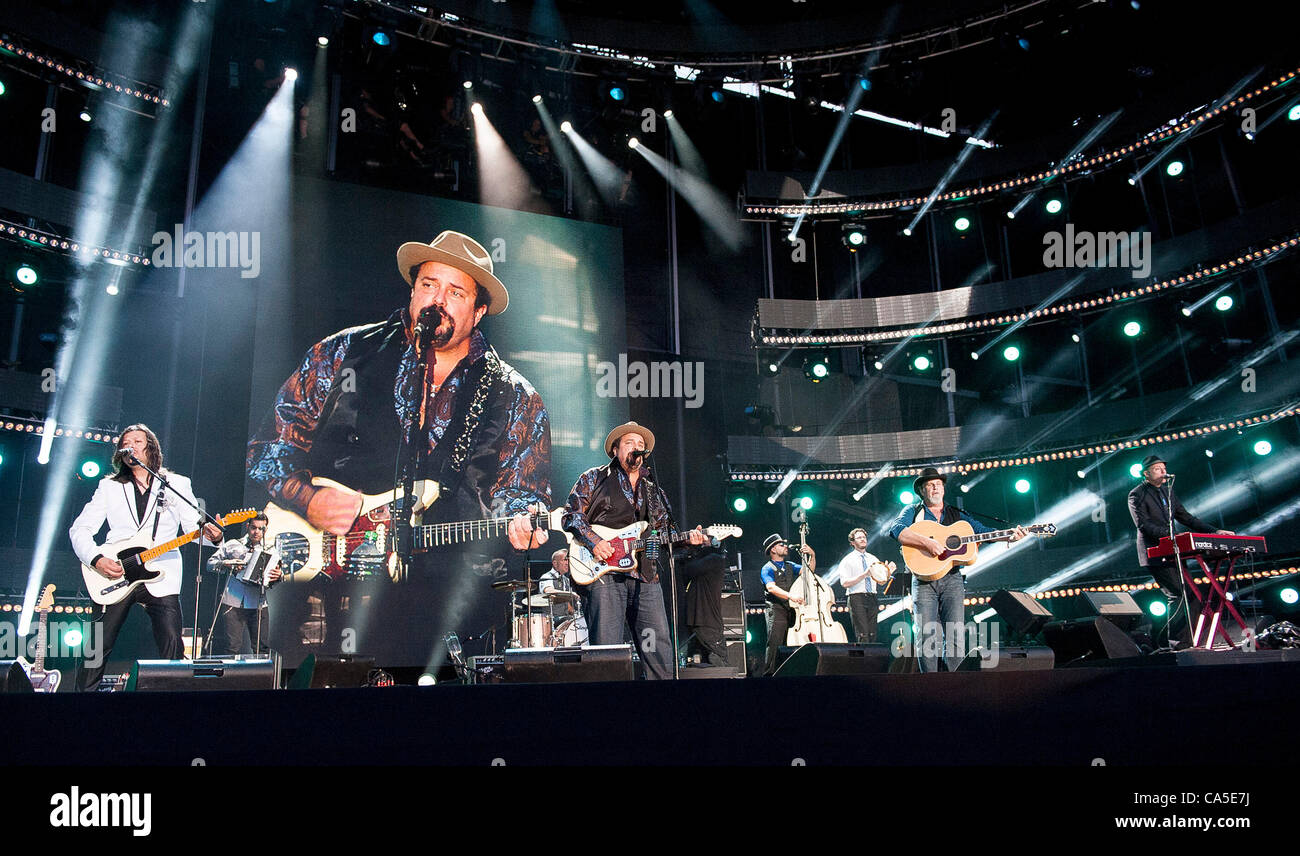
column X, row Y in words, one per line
column 2, row 87
column 1132, row 329
column 1263, row 447
column 467, row 84
column 426, row 680
column 1175, row 168
column 322, row 41
column 1224, row 303
column 90, row 469
column 921, row 363
column 1157, row 608
column 537, row 99
column 1186, row 309
column 85, row 116
column 1135, row 471
column 1022, row 485
column 880, row 367
column 1022, row 43
column 1209, row 453
column 740, row 504
column 633, row 142
column 1076, row 338
column 72, row 637
column 906, row 497
column 853, row 236
column 816, row 367
column 617, row 93
column 476, row 108
column 1053, row 206
column 961, row 224
column 805, row 502
column 974, row 355
column 1011, row 353
column 26, row 275
column 381, row 38
column 1081, row 474
column 773, row 368
column 965, row 488
column 291, row 74
column 668, row 114
column 749, row 637
column 1294, row 113
column 566, row 127
column 716, row 95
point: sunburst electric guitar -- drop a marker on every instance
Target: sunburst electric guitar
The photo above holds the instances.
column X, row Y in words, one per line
column 135, row 554
column 43, row 680
column 960, row 545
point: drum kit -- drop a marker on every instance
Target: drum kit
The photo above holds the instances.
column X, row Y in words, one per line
column 531, row 622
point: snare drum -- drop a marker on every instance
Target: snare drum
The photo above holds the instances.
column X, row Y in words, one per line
column 541, row 631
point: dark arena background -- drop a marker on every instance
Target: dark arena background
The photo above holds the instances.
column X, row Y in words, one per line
column 815, row 247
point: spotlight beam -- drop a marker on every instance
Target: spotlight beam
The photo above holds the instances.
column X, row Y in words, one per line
column 714, row 209
column 503, row 182
column 1181, row 138
column 846, row 116
column 950, row 174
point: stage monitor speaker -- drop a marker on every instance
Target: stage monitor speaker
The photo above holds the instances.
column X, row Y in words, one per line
column 1023, row 614
column 332, row 672
column 1117, row 607
column 206, row 674
column 569, row 665
column 869, row 658
column 1085, row 639
column 13, row 679
column 1026, row 658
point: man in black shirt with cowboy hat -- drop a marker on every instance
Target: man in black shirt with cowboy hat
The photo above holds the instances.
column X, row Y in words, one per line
column 1150, row 505
column 616, row 495
column 778, row 576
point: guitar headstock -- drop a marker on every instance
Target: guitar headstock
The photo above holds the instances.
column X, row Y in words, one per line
column 46, row 601
column 724, row 530
column 1046, row 530
column 239, row 516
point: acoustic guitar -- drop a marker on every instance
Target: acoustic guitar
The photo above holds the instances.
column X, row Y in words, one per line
column 961, row 545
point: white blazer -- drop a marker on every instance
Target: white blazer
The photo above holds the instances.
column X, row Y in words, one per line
column 114, row 503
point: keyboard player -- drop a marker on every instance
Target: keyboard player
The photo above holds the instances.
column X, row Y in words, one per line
column 1151, row 504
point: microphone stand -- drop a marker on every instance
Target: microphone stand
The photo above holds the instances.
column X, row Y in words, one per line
column 1183, row 603
column 164, row 486
column 672, row 572
column 411, row 460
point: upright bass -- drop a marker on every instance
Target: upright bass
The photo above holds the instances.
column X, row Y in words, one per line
column 813, row 621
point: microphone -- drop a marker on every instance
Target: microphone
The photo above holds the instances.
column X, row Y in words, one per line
column 124, row 456
column 1169, row 477
column 425, row 326
column 638, row 455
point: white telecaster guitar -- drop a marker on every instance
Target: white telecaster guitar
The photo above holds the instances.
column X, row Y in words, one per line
column 627, row 543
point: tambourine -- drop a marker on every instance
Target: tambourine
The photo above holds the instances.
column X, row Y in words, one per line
column 879, row 573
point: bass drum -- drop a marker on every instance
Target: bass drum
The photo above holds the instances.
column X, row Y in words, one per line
column 571, row 633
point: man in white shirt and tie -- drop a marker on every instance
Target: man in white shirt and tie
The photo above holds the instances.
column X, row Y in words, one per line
column 860, row 572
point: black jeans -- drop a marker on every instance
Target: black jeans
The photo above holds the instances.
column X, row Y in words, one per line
column 778, row 622
column 164, row 613
column 863, row 607
column 1171, row 585
column 237, row 631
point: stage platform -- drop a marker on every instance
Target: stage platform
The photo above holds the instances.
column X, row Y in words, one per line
column 1185, row 709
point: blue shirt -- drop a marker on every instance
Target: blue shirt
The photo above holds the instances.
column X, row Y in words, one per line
column 768, row 574
column 908, row 517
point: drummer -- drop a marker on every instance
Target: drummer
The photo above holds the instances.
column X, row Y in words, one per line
column 557, row 580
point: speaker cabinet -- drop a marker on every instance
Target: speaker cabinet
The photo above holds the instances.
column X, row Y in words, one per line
column 1024, row 615
column 1085, row 639
column 871, row 658
column 210, row 674
column 569, row 665
column 1117, row 607
column 332, row 672
column 1009, row 659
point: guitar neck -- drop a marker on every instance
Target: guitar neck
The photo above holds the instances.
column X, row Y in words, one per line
column 431, row 535
column 155, row 552
column 41, row 637
column 996, row 535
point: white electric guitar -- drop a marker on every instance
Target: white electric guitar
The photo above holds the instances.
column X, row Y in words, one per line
column 628, row 543
column 134, row 555
column 43, row 680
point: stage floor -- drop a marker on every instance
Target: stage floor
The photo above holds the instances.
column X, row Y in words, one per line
column 1188, row 709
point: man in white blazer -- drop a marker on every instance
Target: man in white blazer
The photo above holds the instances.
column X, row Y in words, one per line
column 131, row 501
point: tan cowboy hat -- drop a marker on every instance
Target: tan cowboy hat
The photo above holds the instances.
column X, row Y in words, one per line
column 629, row 428
column 461, row 252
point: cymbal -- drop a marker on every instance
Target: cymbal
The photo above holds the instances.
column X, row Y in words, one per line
column 558, row 596
column 512, row 584
column 536, row 600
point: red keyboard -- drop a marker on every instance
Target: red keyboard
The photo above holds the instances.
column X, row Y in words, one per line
column 1202, row 544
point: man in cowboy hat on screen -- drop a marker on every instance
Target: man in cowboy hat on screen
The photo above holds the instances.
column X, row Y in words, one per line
column 936, row 604
column 617, row 495
column 1150, row 505
column 345, row 413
